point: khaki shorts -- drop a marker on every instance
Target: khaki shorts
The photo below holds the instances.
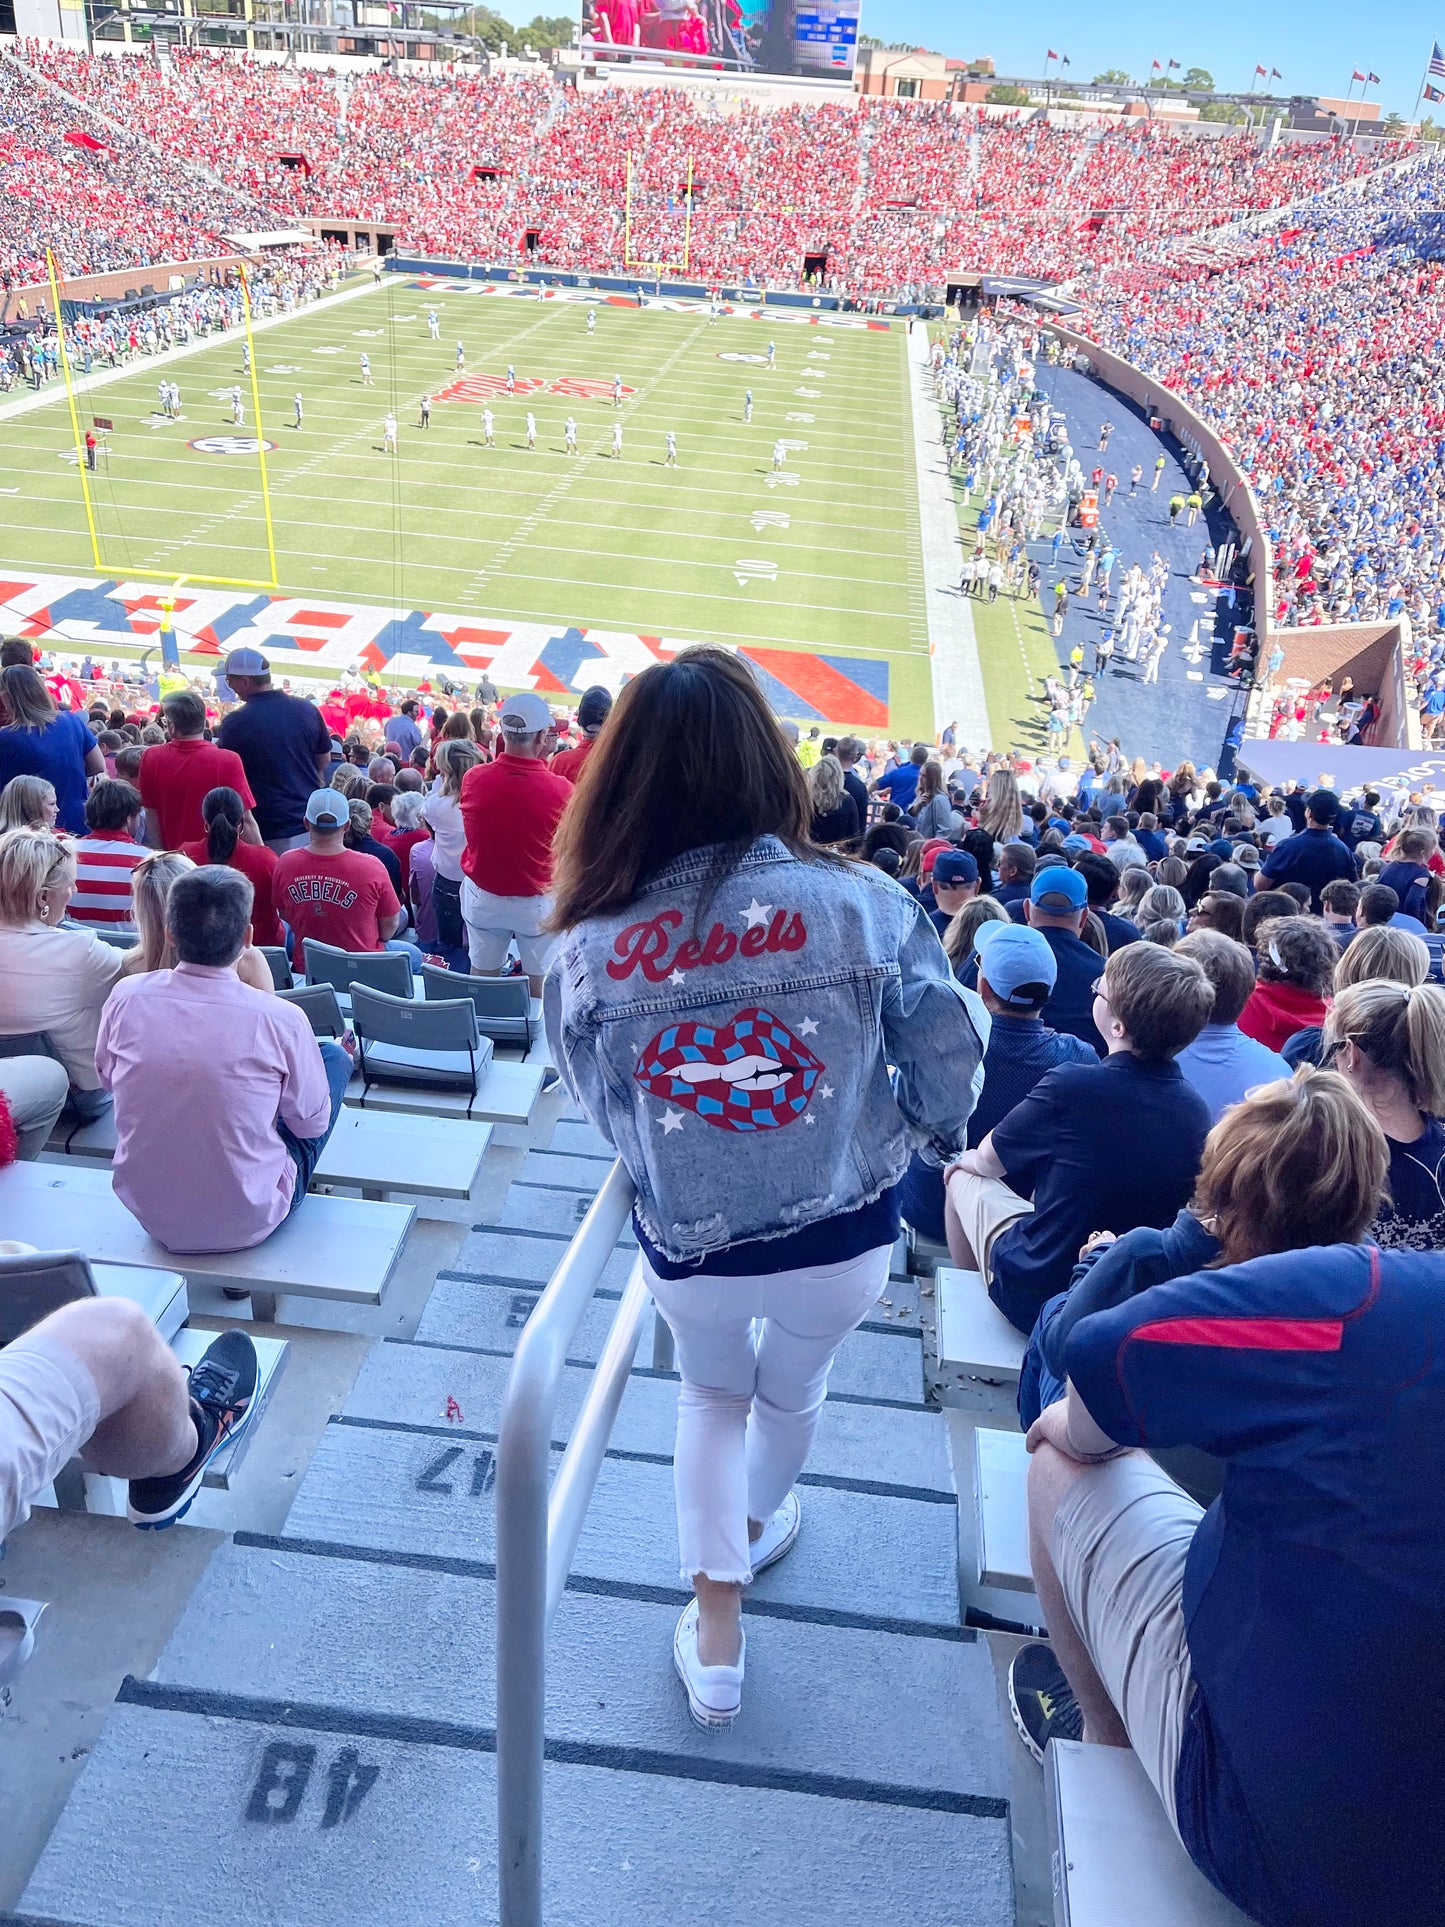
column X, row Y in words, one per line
column 48, row 1409
column 985, row 1207
column 1120, row 1541
column 493, row 922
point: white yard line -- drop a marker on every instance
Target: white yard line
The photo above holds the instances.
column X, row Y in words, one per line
column 958, row 695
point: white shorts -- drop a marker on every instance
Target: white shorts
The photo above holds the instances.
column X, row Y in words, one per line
column 493, row 923
column 1120, row 1541
column 48, row 1409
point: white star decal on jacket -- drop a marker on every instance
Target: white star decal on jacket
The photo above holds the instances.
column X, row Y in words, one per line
column 756, row 913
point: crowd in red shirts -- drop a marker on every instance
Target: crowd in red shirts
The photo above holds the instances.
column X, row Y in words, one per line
column 889, row 195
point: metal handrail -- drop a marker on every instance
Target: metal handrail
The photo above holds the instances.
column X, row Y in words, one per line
column 536, row 1533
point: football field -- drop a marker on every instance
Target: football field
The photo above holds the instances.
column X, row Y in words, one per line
column 814, row 570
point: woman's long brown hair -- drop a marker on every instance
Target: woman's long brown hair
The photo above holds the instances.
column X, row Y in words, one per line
column 690, row 757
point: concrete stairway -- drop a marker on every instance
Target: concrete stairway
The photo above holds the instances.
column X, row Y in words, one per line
column 316, row 1743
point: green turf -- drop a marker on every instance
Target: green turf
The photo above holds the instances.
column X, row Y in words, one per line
column 507, row 533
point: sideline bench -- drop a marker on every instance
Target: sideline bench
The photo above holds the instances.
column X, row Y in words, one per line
column 1000, row 1498
column 373, row 1152
column 1116, row 1860
column 337, row 1250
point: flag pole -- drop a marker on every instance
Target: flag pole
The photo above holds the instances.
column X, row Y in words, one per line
column 1420, row 95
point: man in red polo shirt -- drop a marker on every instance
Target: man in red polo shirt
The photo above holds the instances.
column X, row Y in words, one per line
column 510, row 811
column 177, row 775
column 592, row 713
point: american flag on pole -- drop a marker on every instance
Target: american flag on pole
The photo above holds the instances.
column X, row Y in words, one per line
column 1437, row 62
column 1275, row 74
column 1173, row 63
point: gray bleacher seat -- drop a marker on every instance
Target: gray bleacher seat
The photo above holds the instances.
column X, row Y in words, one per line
column 338, row 1249
column 503, row 1004
column 1117, row 1861
column 403, row 1041
column 35, row 1283
column 321, row 1006
column 974, row 1337
column 384, row 970
column 278, row 963
column 1000, row 1496
column 117, row 939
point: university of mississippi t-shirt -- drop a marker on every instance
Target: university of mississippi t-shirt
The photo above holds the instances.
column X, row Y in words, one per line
column 336, row 899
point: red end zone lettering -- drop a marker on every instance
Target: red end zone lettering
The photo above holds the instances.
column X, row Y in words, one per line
column 475, row 388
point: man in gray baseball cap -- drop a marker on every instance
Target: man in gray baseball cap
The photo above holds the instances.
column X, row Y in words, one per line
column 283, row 743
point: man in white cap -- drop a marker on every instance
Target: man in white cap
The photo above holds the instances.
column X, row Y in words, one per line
column 510, row 811
column 283, row 744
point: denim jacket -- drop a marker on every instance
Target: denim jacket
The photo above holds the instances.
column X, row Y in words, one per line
column 741, row 1067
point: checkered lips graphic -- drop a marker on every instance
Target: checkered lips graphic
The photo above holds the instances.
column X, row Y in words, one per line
column 747, row 1075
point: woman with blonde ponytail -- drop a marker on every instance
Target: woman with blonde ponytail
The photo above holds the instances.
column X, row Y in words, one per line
column 1389, row 1041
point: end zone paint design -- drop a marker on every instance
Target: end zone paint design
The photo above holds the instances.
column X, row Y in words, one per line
column 476, row 388
column 310, row 635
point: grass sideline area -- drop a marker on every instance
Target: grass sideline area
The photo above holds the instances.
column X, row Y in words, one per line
column 823, row 559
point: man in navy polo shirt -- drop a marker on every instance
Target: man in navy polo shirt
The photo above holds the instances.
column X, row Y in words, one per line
column 1049, row 1173
column 1276, row 1662
column 1315, row 857
column 284, row 747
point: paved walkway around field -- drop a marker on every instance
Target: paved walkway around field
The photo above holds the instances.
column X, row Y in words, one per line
column 958, row 695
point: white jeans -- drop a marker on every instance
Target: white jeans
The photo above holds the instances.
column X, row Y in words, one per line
column 754, row 1354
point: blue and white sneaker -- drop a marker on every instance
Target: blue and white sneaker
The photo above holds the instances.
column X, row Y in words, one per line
column 223, row 1400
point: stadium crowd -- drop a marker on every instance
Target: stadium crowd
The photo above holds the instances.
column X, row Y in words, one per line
column 1314, row 358
column 884, row 194
column 1161, row 1058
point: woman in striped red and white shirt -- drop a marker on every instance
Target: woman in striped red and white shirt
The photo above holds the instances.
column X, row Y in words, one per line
column 106, row 856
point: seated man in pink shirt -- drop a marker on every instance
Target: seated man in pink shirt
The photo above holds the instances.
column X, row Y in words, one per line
column 224, row 1099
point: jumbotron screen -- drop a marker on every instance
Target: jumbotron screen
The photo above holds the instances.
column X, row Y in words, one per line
column 814, row 37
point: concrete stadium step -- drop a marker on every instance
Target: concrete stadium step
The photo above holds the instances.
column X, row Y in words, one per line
column 555, row 1214
column 884, row 1362
column 427, row 1496
column 390, row 1823
column 865, row 1445
column 524, row 1260
column 890, row 1709
column 575, row 1135
column 561, row 1171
